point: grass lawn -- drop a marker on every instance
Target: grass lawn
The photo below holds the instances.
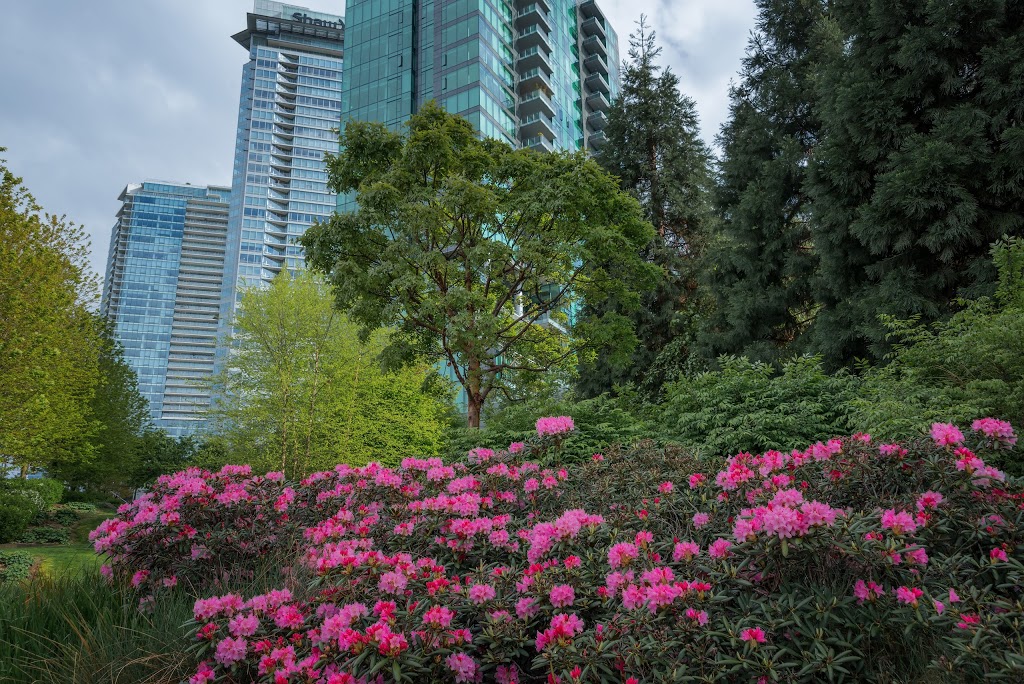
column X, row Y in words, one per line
column 57, row 559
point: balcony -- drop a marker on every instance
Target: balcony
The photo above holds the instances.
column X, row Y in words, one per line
column 539, row 143
column 596, row 140
column 596, row 83
column 597, row 121
column 533, row 36
column 589, row 8
column 534, row 14
column 593, row 45
column 534, row 79
column 595, row 64
column 598, row 102
column 543, row 4
column 536, row 125
column 594, row 27
column 533, row 58
column 536, row 101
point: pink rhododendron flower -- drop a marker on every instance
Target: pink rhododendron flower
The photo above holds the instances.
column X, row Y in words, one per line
column 666, row 487
column 968, row 620
column 622, row 554
column 556, row 425
column 999, row 430
column 526, row 608
column 899, row 523
column 701, row 519
column 243, row 625
column 438, row 616
column 946, row 434
column 698, row 616
column 392, row 582
column 463, row 666
column 719, row 548
column 929, row 501
column 230, row 650
column 203, row 675
column 563, row 628
column 685, row 551
column 755, row 634
column 506, row 674
column 940, row 607
column 696, row 480
column 908, row 595
column 562, row 595
column 997, row 555
column 479, row 593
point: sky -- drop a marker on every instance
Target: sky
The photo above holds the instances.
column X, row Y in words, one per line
column 104, row 93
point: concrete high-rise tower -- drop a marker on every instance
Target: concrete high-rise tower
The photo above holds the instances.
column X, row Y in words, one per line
column 162, row 293
column 288, row 116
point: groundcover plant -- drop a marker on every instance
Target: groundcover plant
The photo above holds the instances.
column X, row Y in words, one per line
column 850, row 560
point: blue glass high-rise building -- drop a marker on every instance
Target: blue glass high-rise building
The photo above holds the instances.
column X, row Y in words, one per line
column 162, row 293
column 535, row 73
column 288, row 116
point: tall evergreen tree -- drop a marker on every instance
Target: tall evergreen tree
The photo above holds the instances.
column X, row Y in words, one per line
column 922, row 162
column 761, row 261
column 655, row 149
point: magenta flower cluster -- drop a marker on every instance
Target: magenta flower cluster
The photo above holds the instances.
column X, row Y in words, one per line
column 499, row 569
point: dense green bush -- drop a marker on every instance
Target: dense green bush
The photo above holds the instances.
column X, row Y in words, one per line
column 747, row 406
column 600, row 422
column 47, row 492
column 14, row 567
column 81, row 506
column 44, row 535
column 15, row 514
column 961, row 369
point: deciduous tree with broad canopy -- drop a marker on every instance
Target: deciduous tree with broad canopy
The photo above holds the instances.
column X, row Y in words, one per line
column 478, row 255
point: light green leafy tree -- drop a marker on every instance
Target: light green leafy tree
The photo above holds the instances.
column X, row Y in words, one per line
column 301, row 392
column 476, row 255
column 50, row 342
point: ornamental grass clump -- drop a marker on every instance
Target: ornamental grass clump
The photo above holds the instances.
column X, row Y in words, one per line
column 849, row 560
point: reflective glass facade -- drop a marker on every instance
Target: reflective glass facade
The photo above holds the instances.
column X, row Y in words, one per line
column 162, row 291
column 289, row 113
column 535, row 73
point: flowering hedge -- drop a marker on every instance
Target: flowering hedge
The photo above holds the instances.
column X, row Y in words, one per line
column 850, row 560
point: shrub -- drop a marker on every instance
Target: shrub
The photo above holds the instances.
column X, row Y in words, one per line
column 16, row 511
column 44, row 535
column 14, row 566
column 80, row 506
column 746, row 406
column 600, row 422
column 849, row 559
column 44, row 490
column 961, row 369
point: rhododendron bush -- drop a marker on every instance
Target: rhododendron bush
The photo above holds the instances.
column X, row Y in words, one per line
column 847, row 560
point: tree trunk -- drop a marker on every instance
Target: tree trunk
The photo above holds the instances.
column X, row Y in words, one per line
column 473, row 398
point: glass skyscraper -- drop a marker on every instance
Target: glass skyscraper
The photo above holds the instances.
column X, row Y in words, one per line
column 162, row 293
column 535, row 73
column 289, row 113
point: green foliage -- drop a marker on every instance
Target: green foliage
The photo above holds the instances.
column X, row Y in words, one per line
column 47, row 492
column 81, row 506
column 968, row 367
column 16, row 511
column 917, row 171
column 302, row 392
column 746, row 406
column 655, row 149
column 601, row 422
column 49, row 339
column 121, row 415
column 14, row 567
column 476, row 255
column 44, row 535
column 76, row 628
column 759, row 264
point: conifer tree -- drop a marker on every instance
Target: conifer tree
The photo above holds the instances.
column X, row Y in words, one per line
column 922, row 162
column 760, row 263
column 655, row 149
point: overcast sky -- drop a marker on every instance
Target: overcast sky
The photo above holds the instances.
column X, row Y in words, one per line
column 103, row 93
